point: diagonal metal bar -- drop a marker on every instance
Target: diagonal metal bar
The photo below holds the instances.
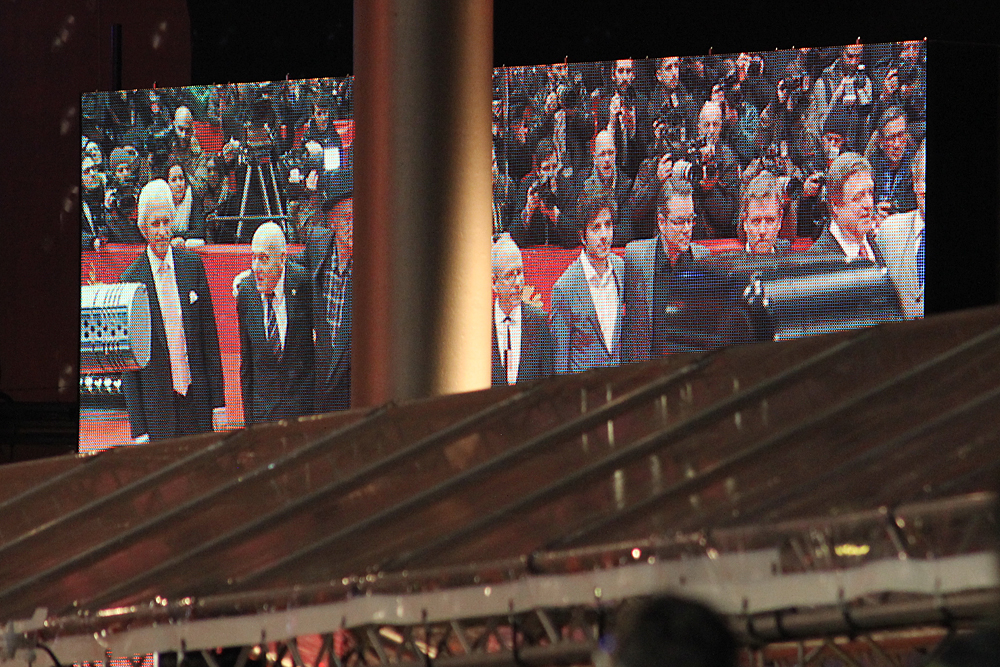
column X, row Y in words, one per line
column 358, row 478
column 874, row 454
column 722, row 467
column 274, row 468
column 582, row 423
column 94, row 505
column 614, row 460
column 558, row 434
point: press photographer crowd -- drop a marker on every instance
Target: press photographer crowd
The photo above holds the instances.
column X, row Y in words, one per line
column 282, row 174
column 751, row 197
column 279, row 156
column 683, row 204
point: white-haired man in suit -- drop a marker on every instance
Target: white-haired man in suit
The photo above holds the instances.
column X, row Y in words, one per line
column 180, row 391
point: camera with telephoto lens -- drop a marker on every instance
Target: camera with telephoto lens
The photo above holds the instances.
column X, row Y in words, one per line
column 698, row 168
column 123, row 200
column 542, row 187
column 570, row 92
column 793, row 83
column 789, row 183
column 907, row 74
column 306, row 164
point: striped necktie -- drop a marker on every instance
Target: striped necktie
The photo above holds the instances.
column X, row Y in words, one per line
column 272, row 326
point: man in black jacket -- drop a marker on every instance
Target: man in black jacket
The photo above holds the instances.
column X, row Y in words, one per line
column 180, row 391
column 274, row 304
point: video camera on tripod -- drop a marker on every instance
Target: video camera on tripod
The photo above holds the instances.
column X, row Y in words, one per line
column 257, row 157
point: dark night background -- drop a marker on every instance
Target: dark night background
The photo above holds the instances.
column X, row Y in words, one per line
column 53, row 50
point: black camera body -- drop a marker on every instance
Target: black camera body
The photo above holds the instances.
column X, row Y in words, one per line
column 570, row 93
column 907, row 73
column 543, row 188
column 122, row 201
column 306, row 165
column 699, row 168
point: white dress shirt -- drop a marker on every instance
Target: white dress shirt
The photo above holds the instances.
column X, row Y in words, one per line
column 280, row 308
column 605, row 291
column 851, row 248
column 508, row 339
column 165, row 279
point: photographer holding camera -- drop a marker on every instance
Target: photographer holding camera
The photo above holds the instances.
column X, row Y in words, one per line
column 783, row 119
column 846, row 84
column 621, row 109
column 564, row 119
column 890, row 159
column 121, row 197
column 545, row 200
column 740, row 118
column 904, row 85
column 711, row 167
column 669, row 99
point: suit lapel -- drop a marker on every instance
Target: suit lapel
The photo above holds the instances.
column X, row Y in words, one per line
column 648, row 276
column 156, row 314
column 526, row 358
column 587, row 299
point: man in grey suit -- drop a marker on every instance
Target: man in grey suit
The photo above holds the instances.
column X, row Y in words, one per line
column 901, row 240
column 587, row 298
column 853, row 216
column 649, row 263
column 522, row 343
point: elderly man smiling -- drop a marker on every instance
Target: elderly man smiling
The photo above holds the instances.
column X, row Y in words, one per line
column 180, row 392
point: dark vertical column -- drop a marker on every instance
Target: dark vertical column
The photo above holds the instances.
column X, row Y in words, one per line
column 422, row 197
column 116, row 56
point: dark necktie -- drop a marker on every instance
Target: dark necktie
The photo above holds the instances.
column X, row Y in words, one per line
column 272, row 326
column 921, row 257
column 506, row 354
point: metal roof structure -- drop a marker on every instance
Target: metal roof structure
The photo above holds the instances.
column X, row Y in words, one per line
column 839, row 483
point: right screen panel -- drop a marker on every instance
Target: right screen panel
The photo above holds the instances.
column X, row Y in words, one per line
column 648, row 207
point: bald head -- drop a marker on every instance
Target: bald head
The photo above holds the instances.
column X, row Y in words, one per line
column 710, row 121
column 508, row 272
column 184, row 125
column 269, row 250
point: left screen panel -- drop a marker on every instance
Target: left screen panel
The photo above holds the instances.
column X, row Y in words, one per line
column 217, row 240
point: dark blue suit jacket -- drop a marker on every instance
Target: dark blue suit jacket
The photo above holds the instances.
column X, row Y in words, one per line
column 149, row 394
column 276, row 387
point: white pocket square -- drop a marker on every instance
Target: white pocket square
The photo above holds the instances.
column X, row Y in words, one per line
column 192, row 297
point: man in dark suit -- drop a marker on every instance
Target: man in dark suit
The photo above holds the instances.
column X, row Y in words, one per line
column 180, row 391
column 761, row 216
column 649, row 264
column 851, row 197
column 587, row 298
column 329, row 264
column 274, row 304
column 522, row 343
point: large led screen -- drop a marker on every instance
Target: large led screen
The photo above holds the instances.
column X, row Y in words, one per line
column 648, row 207
column 217, row 236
